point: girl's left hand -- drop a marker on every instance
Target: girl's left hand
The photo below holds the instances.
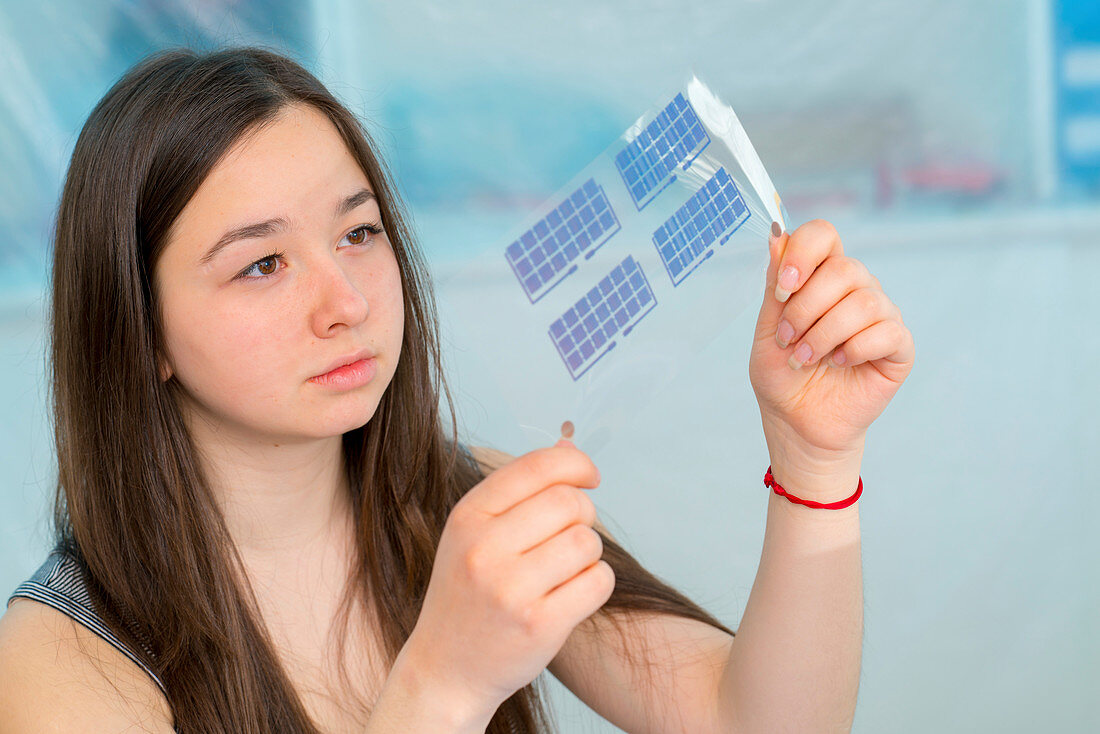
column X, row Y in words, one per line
column 836, row 309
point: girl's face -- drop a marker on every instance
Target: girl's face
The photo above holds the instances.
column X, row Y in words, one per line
column 249, row 323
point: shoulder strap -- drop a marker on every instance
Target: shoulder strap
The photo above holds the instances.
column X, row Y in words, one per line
column 59, row 583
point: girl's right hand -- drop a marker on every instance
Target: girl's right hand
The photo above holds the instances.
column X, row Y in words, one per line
column 517, row 568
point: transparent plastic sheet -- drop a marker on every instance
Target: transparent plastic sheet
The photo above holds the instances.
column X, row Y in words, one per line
column 600, row 297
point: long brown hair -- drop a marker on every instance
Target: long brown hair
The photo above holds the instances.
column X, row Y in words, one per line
column 132, row 505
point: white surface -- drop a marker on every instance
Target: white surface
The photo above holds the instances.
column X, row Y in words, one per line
column 980, row 510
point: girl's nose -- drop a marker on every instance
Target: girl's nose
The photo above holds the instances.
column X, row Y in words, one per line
column 339, row 300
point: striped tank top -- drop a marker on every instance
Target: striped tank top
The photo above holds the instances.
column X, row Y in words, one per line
column 59, row 583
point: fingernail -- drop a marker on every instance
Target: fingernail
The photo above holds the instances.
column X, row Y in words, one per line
column 838, row 358
column 776, row 229
column 800, row 356
column 784, row 333
column 787, row 279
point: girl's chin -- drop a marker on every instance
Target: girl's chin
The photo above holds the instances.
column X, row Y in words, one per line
column 343, row 420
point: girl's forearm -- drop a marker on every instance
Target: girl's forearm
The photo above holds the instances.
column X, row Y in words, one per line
column 794, row 664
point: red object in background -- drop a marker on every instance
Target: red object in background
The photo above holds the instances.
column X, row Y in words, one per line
column 943, row 176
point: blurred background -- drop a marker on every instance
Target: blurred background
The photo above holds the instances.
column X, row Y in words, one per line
column 955, row 144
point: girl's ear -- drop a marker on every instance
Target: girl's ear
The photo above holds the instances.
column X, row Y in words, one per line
column 164, row 368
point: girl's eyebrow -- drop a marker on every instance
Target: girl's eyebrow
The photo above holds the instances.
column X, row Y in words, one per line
column 279, row 224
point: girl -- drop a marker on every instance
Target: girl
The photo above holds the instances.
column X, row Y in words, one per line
column 261, row 524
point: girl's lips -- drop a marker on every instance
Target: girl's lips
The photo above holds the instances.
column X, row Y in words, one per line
column 349, row 376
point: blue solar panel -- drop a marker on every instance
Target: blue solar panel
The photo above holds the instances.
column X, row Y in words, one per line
column 648, row 163
column 543, row 256
column 711, row 215
column 586, row 332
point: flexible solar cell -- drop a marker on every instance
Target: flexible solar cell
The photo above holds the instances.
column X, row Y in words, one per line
column 648, row 163
column 545, row 255
column 712, row 214
column 587, row 331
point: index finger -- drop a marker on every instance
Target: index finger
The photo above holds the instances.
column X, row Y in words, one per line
column 531, row 473
column 807, row 247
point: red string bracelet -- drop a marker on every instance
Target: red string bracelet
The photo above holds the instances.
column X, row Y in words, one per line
column 769, row 481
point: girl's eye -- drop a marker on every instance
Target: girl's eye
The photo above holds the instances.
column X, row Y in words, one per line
column 357, row 236
column 373, row 229
column 259, row 266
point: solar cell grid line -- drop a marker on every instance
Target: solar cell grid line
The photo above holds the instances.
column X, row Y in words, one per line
column 674, row 138
column 612, row 308
column 546, row 254
column 712, row 214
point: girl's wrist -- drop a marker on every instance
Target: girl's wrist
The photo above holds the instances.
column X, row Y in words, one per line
column 415, row 701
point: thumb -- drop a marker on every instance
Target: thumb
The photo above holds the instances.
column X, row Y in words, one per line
column 772, row 307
